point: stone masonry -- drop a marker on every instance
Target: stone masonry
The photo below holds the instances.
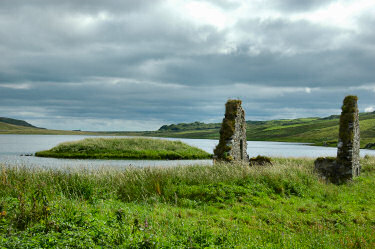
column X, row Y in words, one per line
column 346, row 165
column 232, row 144
column 349, row 139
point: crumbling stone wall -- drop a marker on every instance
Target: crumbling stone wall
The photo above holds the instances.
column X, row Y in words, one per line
column 232, row 144
column 346, row 165
column 349, row 139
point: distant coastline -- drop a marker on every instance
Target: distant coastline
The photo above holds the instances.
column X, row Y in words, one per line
column 313, row 130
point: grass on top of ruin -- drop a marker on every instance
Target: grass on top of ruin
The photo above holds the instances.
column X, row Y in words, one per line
column 125, row 148
column 225, row 205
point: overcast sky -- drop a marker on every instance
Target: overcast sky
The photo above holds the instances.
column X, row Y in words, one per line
column 136, row 65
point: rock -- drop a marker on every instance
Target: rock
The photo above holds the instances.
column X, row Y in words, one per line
column 346, row 165
column 232, row 144
column 326, row 167
column 370, row 146
column 260, row 160
column 349, row 140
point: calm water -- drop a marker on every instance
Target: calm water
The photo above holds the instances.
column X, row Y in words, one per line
column 13, row 146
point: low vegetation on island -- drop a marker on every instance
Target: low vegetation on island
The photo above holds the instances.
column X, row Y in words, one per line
column 125, row 148
column 284, row 205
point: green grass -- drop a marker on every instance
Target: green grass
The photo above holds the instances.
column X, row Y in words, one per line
column 9, row 127
column 15, row 122
column 223, row 206
column 125, row 148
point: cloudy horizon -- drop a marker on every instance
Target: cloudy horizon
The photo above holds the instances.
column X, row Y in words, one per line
column 137, row 65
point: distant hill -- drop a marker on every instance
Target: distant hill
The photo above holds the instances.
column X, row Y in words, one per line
column 16, row 122
column 190, row 126
column 15, row 126
column 318, row 131
column 314, row 130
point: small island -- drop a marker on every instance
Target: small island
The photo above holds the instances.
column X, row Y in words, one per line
column 125, row 148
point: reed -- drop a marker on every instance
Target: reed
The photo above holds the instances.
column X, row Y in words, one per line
column 225, row 205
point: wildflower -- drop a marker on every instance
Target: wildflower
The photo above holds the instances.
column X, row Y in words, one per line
column 3, row 213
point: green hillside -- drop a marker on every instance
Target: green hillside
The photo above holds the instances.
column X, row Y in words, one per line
column 319, row 131
column 6, row 128
column 16, row 122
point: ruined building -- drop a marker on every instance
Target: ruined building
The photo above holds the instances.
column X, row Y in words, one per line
column 348, row 144
column 232, row 144
column 346, row 165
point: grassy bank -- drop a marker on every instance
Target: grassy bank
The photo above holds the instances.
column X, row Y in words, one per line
column 221, row 206
column 125, row 148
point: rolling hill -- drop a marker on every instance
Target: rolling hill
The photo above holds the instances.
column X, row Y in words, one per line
column 16, row 122
column 318, row 131
column 15, row 126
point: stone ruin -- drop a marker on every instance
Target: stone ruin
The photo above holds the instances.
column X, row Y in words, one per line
column 232, row 144
column 346, row 165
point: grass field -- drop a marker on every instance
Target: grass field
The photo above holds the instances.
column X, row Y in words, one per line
column 221, row 206
column 125, row 148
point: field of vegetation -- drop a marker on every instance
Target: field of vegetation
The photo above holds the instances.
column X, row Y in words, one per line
column 125, row 148
column 222, row 206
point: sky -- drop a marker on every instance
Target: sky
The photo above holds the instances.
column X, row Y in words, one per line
column 139, row 64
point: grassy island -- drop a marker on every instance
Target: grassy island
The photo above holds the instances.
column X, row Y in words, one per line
column 285, row 205
column 125, row 148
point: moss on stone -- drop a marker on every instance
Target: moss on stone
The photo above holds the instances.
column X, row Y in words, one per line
column 227, row 130
column 327, row 159
column 260, row 160
column 333, row 169
column 231, row 108
column 350, row 104
column 349, row 109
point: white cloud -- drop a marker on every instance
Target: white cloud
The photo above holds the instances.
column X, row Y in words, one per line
column 370, row 109
column 367, row 87
column 23, row 86
column 338, row 14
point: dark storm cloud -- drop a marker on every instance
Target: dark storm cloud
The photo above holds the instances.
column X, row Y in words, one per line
column 300, row 6
column 156, row 48
column 299, row 35
column 96, row 64
column 49, row 48
column 367, row 35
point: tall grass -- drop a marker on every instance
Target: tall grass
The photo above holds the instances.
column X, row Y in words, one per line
column 224, row 205
column 125, row 148
column 286, row 176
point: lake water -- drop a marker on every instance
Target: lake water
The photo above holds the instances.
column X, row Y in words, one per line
column 13, row 146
